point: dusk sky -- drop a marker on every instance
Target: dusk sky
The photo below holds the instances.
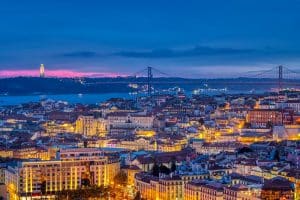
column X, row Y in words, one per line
column 183, row 38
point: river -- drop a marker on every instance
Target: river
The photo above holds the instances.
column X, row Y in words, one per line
column 71, row 98
column 94, row 98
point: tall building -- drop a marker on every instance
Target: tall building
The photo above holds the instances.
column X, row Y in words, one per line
column 42, row 71
column 73, row 169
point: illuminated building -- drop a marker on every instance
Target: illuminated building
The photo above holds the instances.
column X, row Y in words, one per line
column 217, row 172
column 146, row 162
column 242, row 192
column 145, row 133
column 4, row 153
column 42, row 71
column 293, row 176
column 283, row 173
column 286, row 132
column 294, row 104
column 26, row 153
column 211, row 191
column 136, row 144
column 32, row 153
column 2, row 173
column 277, row 188
column 251, row 137
column 94, row 142
column 198, row 189
column 170, row 188
column 261, row 117
column 90, row 126
column 131, row 171
column 165, row 187
column 73, row 168
column 227, row 137
column 215, row 148
column 203, row 189
column 171, row 143
column 169, row 146
column 129, row 120
column 222, row 121
column 149, row 144
column 53, row 128
column 245, row 167
column 192, row 190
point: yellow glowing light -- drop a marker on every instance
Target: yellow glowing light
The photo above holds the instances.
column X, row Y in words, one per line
column 145, row 133
column 230, row 131
column 218, row 134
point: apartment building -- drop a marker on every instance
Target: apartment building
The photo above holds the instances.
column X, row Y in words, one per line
column 73, row 169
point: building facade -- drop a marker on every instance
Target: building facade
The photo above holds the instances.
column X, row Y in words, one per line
column 261, row 117
column 74, row 169
column 278, row 188
column 164, row 187
column 90, row 126
column 126, row 120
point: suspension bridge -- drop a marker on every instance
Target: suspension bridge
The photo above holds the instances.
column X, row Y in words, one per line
column 278, row 77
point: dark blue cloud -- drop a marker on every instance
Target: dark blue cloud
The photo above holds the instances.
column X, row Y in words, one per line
column 194, row 52
column 80, row 54
column 198, row 51
column 163, row 53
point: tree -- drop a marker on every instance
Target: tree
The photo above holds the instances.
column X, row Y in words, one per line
column 163, row 169
column 247, row 125
column 121, row 178
column 93, row 191
column 155, row 170
column 244, row 150
column 173, row 165
column 137, row 196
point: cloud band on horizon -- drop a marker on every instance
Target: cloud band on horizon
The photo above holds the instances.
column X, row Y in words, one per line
column 164, row 53
column 55, row 73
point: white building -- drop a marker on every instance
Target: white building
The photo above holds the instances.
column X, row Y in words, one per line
column 129, row 120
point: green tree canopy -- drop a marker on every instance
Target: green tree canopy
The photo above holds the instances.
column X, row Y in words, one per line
column 121, row 178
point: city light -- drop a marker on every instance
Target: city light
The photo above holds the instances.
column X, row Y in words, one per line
column 149, row 100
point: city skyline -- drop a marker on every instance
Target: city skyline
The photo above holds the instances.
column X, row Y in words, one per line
column 193, row 39
column 150, row 100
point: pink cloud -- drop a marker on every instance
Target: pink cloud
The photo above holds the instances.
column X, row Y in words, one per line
column 56, row 73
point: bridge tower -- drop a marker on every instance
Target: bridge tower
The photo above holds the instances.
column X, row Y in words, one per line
column 149, row 80
column 280, row 77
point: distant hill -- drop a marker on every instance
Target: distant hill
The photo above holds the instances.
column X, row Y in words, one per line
column 31, row 85
column 35, row 85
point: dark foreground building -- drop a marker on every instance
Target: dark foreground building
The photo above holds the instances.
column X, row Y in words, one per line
column 277, row 189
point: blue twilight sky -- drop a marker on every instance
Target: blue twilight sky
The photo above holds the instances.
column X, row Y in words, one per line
column 188, row 38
